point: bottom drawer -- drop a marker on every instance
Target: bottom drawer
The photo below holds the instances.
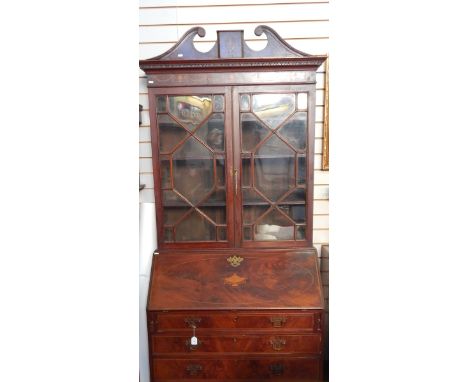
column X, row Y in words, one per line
column 306, row 369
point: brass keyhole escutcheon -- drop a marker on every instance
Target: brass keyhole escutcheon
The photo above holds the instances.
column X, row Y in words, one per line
column 194, row 369
column 235, row 261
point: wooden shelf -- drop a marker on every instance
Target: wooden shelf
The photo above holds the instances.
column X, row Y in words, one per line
column 255, row 157
column 222, row 204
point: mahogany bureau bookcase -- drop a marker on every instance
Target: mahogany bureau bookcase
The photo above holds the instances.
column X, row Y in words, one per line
column 235, row 291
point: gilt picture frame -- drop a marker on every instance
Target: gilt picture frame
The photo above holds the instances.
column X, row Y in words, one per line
column 326, row 126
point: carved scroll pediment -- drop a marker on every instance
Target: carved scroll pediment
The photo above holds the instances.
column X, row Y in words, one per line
column 230, row 44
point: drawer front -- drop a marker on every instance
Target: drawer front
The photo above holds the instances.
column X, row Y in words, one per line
column 225, row 369
column 273, row 320
column 241, row 343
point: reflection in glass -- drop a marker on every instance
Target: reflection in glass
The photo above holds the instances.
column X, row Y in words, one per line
column 161, row 104
column 301, row 170
column 212, row 132
column 295, row 212
column 252, row 132
column 220, row 169
column 216, row 198
column 195, row 228
column 302, row 101
column 274, row 168
column 218, row 103
column 300, row 232
column 294, row 131
column 273, row 109
column 274, row 226
column 217, row 214
column 193, row 170
column 168, row 235
column 247, row 233
column 190, row 110
column 173, row 214
column 246, row 174
column 170, row 133
column 171, row 199
column 249, row 196
column 165, row 173
column 222, row 235
column 245, row 102
column 252, row 213
column 297, row 196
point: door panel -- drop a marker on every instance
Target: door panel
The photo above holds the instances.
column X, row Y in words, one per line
column 273, row 128
column 193, row 147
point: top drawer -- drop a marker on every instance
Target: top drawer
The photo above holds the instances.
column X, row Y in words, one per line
column 235, row 320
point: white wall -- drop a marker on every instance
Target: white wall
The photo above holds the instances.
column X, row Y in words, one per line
column 304, row 25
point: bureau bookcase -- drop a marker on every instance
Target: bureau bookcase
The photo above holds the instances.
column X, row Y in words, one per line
column 235, row 292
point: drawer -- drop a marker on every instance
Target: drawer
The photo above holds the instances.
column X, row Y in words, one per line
column 239, row 320
column 239, row 343
column 225, row 369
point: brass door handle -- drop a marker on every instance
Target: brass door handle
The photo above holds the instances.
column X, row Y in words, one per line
column 278, row 322
column 192, row 322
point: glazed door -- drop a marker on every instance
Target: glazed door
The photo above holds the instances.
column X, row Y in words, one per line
column 273, row 138
column 192, row 163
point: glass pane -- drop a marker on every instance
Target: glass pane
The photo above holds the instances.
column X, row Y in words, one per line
column 245, row 102
column 294, row 131
column 165, row 173
column 190, row 110
column 301, row 170
column 168, row 235
column 193, row 170
column 274, row 226
column 161, row 104
column 252, row 213
column 170, row 133
column 274, row 168
column 302, row 101
column 247, row 233
column 212, row 132
column 220, row 169
column 246, row 173
column 295, row 212
column 300, row 232
column 171, row 199
column 216, row 198
column 217, row 214
column 249, row 196
column 222, row 235
column 173, row 214
column 298, row 196
column 273, row 109
column 252, row 132
column 218, row 103
column 195, row 228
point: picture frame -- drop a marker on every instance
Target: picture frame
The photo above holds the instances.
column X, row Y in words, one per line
column 326, row 126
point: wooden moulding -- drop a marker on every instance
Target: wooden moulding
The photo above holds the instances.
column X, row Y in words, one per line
column 231, row 52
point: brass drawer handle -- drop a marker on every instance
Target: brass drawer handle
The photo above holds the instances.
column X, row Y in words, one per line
column 277, row 369
column 278, row 343
column 192, row 322
column 278, row 322
column 194, row 369
column 193, row 347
